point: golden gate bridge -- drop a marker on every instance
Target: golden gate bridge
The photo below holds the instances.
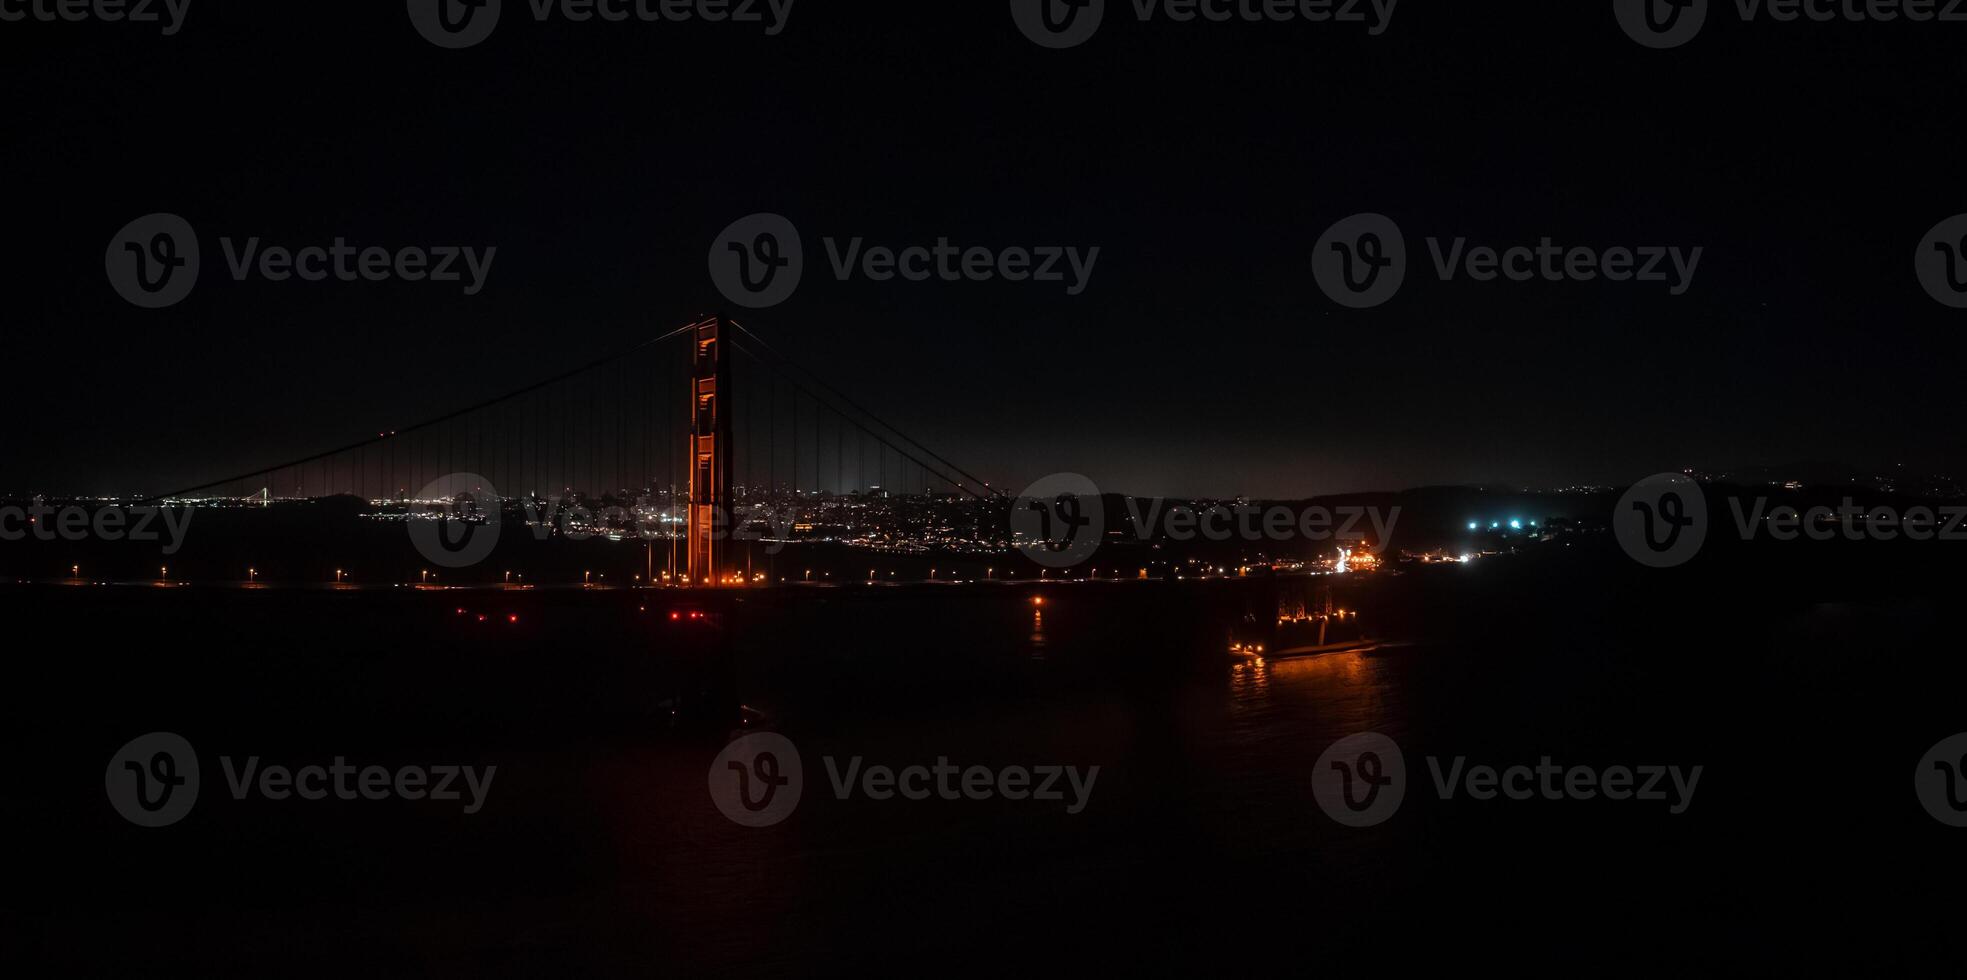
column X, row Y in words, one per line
column 688, row 429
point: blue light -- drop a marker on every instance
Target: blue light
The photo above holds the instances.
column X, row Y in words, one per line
column 1516, row 525
column 1471, row 525
column 1493, row 525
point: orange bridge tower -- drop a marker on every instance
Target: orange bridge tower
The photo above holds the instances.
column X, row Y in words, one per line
column 710, row 452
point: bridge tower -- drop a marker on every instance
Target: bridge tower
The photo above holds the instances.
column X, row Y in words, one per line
column 711, row 409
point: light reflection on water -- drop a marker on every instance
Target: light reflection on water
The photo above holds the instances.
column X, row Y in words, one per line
column 1276, row 717
column 1338, row 692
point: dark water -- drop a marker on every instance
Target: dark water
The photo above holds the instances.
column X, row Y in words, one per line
column 1200, row 844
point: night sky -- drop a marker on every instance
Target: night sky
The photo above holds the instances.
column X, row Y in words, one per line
column 1205, row 160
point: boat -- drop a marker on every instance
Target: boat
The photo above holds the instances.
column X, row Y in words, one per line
column 1302, row 627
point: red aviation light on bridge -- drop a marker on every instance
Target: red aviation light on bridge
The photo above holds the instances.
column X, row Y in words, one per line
column 674, row 616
